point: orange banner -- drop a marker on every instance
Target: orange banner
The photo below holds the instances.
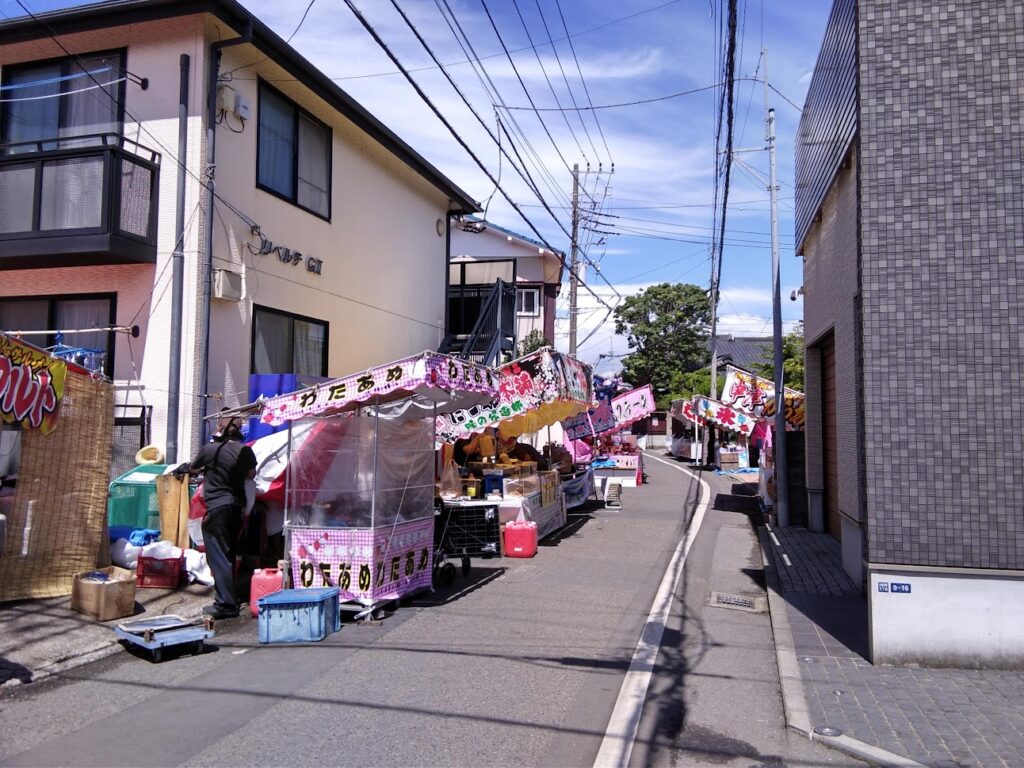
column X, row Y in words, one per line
column 31, row 385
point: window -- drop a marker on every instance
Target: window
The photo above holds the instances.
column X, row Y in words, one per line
column 286, row 343
column 528, row 302
column 82, row 110
column 70, row 312
column 294, row 155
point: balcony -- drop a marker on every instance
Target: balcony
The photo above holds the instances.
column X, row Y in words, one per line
column 78, row 201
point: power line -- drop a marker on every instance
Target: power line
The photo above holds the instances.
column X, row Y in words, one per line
column 551, row 87
column 387, row 50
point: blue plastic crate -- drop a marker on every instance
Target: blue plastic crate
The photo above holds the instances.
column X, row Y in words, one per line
column 299, row 615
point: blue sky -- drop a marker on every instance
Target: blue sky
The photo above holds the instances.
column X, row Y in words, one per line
column 654, row 215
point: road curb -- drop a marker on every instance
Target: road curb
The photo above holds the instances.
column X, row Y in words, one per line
column 794, row 702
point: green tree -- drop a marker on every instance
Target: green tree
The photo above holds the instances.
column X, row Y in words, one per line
column 684, row 386
column 667, row 328
column 792, row 360
column 532, row 341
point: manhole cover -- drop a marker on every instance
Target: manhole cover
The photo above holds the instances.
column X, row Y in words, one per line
column 737, row 602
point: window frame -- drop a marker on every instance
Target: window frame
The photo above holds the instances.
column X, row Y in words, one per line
column 64, row 61
column 290, row 316
column 51, row 320
column 297, row 112
column 536, row 301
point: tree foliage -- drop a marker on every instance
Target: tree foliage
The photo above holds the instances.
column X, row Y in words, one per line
column 531, row 342
column 792, row 360
column 666, row 327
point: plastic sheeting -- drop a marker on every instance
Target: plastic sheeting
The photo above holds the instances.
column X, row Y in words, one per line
column 361, row 471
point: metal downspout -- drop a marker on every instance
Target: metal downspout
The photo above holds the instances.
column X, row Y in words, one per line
column 177, row 271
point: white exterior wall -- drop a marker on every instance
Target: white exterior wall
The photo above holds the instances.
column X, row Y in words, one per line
column 949, row 618
column 383, row 284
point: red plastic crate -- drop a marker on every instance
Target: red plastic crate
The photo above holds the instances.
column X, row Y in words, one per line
column 159, row 573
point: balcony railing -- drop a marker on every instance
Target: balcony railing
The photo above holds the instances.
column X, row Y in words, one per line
column 78, row 201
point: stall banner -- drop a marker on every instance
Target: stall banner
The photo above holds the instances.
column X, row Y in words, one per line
column 592, row 422
column 630, row 407
column 414, row 375
column 534, row 391
column 31, row 385
column 683, row 410
column 577, row 490
column 366, row 564
column 724, row 415
column 755, row 396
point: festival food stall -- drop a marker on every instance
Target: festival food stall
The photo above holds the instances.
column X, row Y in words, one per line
column 359, row 484
column 535, row 391
column 615, row 450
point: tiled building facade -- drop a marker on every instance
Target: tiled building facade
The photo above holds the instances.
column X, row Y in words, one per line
column 913, row 241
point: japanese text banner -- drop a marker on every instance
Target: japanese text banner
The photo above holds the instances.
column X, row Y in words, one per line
column 31, row 385
column 433, row 375
column 755, row 396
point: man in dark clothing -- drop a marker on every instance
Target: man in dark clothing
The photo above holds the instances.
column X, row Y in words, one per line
column 227, row 464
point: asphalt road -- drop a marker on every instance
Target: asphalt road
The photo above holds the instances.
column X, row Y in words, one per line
column 519, row 663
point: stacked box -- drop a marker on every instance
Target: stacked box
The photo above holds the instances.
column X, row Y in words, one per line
column 105, row 593
column 299, row 615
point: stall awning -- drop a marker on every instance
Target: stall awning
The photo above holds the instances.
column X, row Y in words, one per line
column 719, row 413
column 535, row 391
column 623, row 411
column 755, row 396
column 443, row 381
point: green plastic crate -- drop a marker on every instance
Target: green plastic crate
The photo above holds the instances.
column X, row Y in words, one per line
column 133, row 500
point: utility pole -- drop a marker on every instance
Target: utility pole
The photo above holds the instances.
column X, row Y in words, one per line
column 573, row 253
column 779, row 444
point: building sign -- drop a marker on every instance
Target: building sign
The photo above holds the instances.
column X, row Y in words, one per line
column 286, row 255
column 366, row 564
column 31, row 386
column 755, row 396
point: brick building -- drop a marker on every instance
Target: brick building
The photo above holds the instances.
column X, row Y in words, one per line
column 910, row 221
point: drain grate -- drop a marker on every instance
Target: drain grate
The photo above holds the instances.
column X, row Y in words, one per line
column 737, row 602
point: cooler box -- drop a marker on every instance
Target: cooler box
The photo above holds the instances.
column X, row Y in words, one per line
column 520, row 539
column 265, row 581
column 105, row 593
column 299, row 615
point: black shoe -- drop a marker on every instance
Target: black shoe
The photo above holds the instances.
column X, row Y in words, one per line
column 220, row 611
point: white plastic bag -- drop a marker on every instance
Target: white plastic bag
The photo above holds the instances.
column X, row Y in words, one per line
column 124, row 554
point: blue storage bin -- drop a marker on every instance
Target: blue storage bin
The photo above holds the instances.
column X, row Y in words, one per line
column 299, row 615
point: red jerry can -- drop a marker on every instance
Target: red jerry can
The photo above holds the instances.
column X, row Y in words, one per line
column 265, row 581
column 521, row 538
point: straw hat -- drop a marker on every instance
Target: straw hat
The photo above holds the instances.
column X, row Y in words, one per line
column 149, row 454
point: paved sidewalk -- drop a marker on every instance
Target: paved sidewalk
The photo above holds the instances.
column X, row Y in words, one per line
column 943, row 718
column 39, row 638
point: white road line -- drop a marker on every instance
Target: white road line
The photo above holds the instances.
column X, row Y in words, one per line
column 786, row 560
column 620, row 733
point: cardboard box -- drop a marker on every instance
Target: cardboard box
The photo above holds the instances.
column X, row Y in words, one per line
column 113, row 598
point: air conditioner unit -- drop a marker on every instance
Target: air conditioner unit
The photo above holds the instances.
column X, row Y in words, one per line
column 227, row 285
